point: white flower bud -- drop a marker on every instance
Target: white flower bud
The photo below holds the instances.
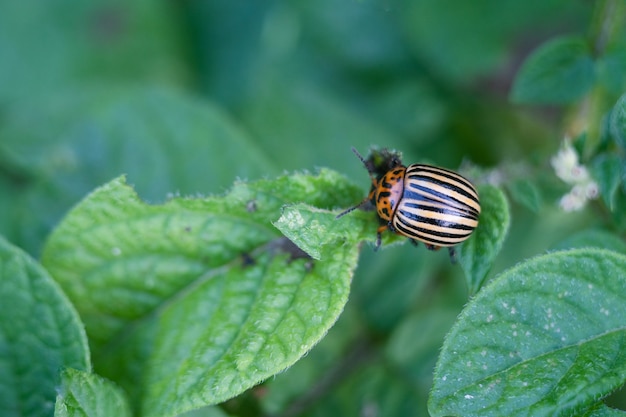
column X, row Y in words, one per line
column 568, row 169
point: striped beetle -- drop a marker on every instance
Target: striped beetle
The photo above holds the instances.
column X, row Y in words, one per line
column 422, row 202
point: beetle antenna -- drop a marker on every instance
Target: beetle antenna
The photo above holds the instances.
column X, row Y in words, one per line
column 359, row 156
column 367, row 164
column 343, row 213
column 366, row 199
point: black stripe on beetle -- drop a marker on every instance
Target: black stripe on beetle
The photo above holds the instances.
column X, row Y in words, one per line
column 442, row 208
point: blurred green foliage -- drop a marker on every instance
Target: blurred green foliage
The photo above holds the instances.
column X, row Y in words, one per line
column 186, row 97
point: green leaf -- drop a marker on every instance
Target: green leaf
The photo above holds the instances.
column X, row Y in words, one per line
column 372, row 389
column 544, row 338
column 206, row 412
column 477, row 254
column 392, row 281
column 132, row 41
column 263, row 317
column 285, row 390
column 416, row 341
column 602, row 410
column 591, row 238
column 85, row 394
column 607, row 171
column 618, row 121
column 251, row 301
column 525, row 192
column 461, row 40
column 67, row 145
column 611, row 68
column 162, row 139
column 311, row 229
column 274, row 115
column 558, row 72
column 244, row 326
column 40, row 333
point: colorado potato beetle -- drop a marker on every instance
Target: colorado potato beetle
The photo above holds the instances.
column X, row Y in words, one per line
column 422, row 202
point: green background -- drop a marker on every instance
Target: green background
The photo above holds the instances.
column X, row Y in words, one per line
column 188, row 96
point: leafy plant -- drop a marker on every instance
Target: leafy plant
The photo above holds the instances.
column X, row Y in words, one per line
column 194, row 292
column 252, row 302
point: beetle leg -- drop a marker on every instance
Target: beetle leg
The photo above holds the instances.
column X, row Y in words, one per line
column 432, row 247
column 452, row 253
column 414, row 242
column 378, row 242
column 379, row 236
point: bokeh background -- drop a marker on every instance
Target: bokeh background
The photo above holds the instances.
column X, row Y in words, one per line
column 187, row 96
